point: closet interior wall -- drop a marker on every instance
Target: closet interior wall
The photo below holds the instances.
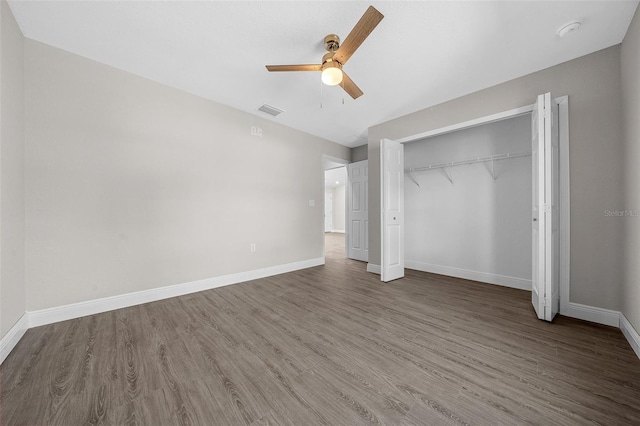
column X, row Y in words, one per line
column 472, row 220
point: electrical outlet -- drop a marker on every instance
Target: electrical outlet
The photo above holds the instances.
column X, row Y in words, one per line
column 253, row 247
column 312, row 203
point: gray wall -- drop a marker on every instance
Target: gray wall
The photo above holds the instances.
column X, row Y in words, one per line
column 359, row 153
column 12, row 285
column 475, row 226
column 132, row 185
column 631, row 184
column 595, row 125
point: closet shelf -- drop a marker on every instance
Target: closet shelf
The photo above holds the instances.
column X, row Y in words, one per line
column 446, row 166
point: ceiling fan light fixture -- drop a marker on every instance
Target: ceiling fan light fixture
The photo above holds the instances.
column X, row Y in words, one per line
column 332, row 74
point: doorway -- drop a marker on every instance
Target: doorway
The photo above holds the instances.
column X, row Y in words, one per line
column 335, row 181
column 334, row 184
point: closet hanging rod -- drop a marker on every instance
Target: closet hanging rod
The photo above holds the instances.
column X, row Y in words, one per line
column 474, row 160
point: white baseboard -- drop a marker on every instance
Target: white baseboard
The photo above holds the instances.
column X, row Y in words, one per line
column 339, row 231
column 96, row 306
column 593, row 314
column 13, row 336
column 91, row 307
column 503, row 280
column 630, row 333
column 373, row 268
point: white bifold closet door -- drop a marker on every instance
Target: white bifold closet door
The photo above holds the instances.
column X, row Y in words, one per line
column 392, row 203
column 545, row 215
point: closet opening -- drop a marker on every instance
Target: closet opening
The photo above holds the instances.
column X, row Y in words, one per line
column 476, row 231
column 468, row 201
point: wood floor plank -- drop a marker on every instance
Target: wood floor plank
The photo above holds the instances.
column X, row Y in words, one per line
column 137, row 365
column 347, row 407
column 152, row 409
column 329, row 345
column 230, row 373
column 16, row 371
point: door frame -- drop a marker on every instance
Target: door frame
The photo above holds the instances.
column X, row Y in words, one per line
column 563, row 157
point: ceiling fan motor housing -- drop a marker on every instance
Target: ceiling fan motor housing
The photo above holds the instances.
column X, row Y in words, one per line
column 331, row 43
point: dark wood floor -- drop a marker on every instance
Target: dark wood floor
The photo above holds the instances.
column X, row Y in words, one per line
column 328, row 345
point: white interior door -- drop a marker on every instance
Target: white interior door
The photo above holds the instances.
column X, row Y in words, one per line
column 545, row 218
column 392, row 203
column 328, row 212
column 358, row 211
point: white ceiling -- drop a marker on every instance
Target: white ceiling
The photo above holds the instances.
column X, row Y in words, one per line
column 421, row 54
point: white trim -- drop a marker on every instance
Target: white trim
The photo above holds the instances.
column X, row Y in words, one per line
column 13, row 336
column 484, row 277
column 338, row 231
column 373, row 268
column 467, row 124
column 382, row 162
column 96, row 306
column 630, row 333
column 335, row 160
column 565, row 203
column 593, row 314
column 51, row 315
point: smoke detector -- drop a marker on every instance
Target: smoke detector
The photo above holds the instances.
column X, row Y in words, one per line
column 566, row 29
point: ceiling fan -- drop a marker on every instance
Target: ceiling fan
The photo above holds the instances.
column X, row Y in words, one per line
column 338, row 55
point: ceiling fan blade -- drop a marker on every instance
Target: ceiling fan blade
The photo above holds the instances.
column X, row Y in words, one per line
column 358, row 34
column 310, row 67
column 350, row 87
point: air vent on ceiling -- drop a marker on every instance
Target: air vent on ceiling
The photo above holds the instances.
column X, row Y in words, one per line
column 270, row 110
